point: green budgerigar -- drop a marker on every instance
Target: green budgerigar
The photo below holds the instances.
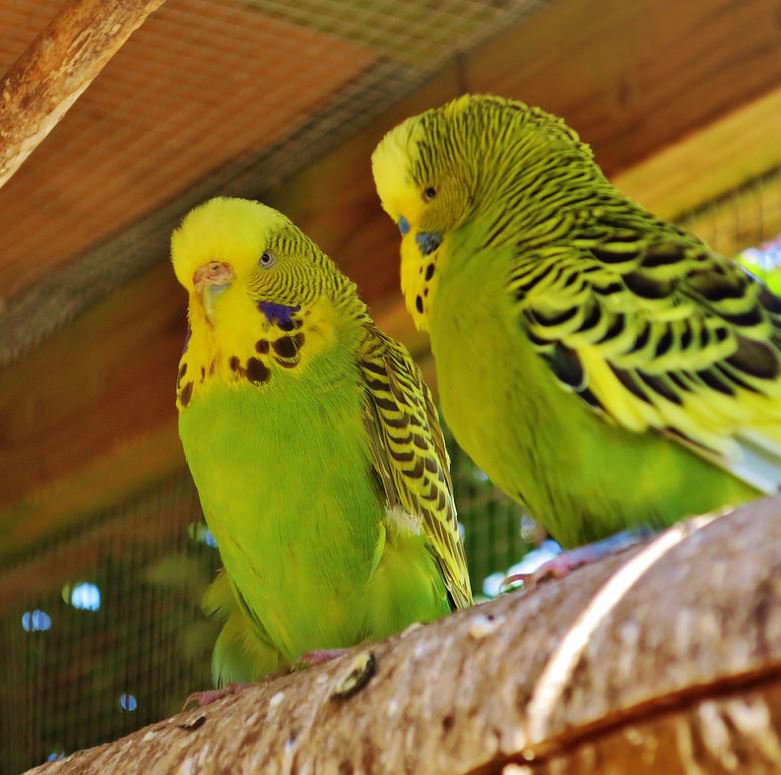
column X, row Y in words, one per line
column 314, row 445
column 604, row 367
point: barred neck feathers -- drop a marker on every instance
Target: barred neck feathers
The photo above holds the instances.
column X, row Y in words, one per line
column 272, row 342
column 534, row 170
column 488, row 161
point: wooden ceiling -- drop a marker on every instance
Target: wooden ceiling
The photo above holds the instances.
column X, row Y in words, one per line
column 212, row 97
column 199, row 85
column 202, row 85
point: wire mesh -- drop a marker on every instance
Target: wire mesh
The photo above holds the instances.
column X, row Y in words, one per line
column 746, row 217
column 77, row 669
column 211, row 87
column 101, row 626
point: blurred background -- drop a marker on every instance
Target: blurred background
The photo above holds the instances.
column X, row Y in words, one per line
column 103, row 551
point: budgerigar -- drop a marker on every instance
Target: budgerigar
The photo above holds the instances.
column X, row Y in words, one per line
column 604, row 367
column 314, row 445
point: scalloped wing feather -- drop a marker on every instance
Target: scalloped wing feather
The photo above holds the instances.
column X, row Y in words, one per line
column 409, row 454
column 655, row 331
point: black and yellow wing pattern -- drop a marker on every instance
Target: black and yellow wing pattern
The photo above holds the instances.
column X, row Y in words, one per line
column 409, row 454
column 657, row 332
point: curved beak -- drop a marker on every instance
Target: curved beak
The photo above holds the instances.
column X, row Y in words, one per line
column 210, row 280
column 428, row 241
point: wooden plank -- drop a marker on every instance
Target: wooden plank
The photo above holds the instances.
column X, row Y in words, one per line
column 702, row 166
column 188, row 94
column 634, row 77
column 88, row 417
column 606, row 85
column 84, row 424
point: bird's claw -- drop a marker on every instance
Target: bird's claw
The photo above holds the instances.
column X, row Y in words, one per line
column 319, row 657
column 556, row 568
column 563, row 564
column 212, row 695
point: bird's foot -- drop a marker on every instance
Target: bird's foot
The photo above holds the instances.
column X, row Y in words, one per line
column 319, row 657
column 563, row 564
column 212, row 695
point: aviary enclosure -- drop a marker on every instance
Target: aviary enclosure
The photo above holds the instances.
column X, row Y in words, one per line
column 116, row 118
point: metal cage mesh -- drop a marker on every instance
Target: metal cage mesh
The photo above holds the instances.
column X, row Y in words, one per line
column 207, row 89
column 101, row 626
column 102, row 629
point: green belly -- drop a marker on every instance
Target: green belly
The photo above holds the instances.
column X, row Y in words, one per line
column 286, row 486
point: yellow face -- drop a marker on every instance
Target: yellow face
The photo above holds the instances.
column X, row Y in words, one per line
column 427, row 193
column 472, row 157
column 230, row 252
column 260, row 294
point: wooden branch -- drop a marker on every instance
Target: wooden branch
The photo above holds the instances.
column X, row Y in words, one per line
column 665, row 658
column 58, row 66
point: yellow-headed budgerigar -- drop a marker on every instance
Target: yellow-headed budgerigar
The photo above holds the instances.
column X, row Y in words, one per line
column 314, row 445
column 604, row 367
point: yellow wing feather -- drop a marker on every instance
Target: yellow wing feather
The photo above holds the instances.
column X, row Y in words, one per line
column 409, row 454
column 661, row 334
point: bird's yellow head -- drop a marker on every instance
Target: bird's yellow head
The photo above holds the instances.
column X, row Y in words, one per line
column 438, row 170
column 262, row 295
column 427, row 193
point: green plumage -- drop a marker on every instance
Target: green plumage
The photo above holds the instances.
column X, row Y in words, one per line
column 604, row 367
column 310, row 480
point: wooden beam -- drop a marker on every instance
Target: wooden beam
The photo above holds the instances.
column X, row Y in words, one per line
column 708, row 163
column 610, row 95
column 88, row 417
column 186, row 96
column 96, row 398
column 59, row 65
column 635, row 77
column 587, row 674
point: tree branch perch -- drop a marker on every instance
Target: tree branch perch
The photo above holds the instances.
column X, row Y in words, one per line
column 665, row 658
column 58, row 66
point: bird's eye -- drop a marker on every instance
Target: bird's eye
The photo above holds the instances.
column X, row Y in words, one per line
column 268, row 259
column 429, row 194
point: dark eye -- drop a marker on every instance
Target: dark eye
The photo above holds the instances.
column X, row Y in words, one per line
column 268, row 259
column 429, row 194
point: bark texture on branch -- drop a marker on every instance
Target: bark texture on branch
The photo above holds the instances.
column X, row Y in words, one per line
column 58, row 66
column 665, row 658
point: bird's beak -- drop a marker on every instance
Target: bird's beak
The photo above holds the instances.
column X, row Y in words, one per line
column 210, row 280
column 428, row 241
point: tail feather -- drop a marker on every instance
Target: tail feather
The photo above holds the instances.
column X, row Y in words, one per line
column 240, row 655
column 759, row 461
